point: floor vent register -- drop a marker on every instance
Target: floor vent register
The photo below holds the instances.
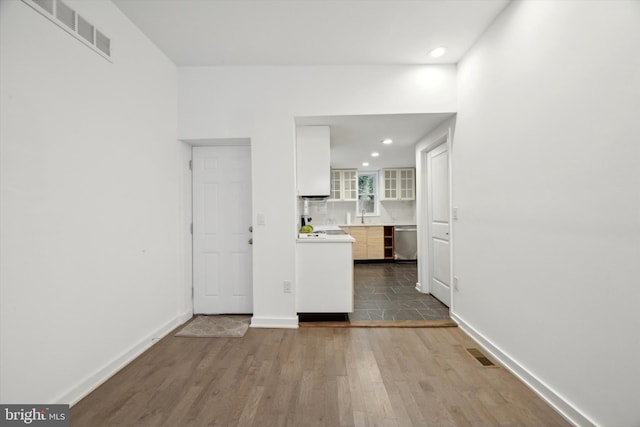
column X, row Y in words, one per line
column 480, row 357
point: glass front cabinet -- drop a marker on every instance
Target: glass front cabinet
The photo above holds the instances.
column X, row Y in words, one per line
column 344, row 185
column 399, row 184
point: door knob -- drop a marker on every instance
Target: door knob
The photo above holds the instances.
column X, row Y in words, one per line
column 251, row 229
column 251, row 241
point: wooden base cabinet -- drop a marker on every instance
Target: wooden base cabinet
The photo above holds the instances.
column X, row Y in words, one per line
column 360, row 245
column 375, row 242
column 369, row 242
column 388, row 242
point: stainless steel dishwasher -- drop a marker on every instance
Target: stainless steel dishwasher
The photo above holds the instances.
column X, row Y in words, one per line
column 405, row 242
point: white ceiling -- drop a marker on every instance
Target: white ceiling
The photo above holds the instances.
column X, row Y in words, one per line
column 311, row 32
column 354, row 138
column 323, row 32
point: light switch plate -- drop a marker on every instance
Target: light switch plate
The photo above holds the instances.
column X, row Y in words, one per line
column 287, row 286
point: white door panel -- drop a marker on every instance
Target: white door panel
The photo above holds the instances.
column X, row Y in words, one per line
column 440, row 230
column 441, row 261
column 222, row 256
column 440, row 185
column 211, row 275
column 439, row 256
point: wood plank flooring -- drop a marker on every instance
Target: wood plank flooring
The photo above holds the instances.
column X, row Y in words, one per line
column 314, row 377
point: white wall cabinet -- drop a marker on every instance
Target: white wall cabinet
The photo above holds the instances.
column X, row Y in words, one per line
column 398, row 184
column 344, row 185
column 313, row 160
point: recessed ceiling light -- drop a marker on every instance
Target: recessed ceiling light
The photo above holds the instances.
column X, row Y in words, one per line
column 375, row 154
column 387, row 141
column 365, row 164
column 438, row 52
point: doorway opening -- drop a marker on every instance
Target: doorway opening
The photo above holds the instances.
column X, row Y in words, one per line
column 434, row 220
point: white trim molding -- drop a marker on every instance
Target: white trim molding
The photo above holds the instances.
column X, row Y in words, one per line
column 93, row 381
column 422, row 223
column 554, row 399
column 274, row 322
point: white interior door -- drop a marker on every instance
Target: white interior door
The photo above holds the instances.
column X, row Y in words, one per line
column 438, row 223
column 222, row 255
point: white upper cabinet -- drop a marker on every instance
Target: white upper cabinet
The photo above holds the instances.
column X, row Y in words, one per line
column 389, row 184
column 398, row 184
column 313, row 161
column 344, row 185
column 407, row 184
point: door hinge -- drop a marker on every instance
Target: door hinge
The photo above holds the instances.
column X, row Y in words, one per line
column 190, row 165
column 191, row 228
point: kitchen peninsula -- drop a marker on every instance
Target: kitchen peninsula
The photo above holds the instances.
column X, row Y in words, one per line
column 324, row 266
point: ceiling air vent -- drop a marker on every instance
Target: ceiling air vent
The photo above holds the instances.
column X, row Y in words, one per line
column 69, row 20
column 66, row 15
column 85, row 29
column 45, row 4
column 103, row 43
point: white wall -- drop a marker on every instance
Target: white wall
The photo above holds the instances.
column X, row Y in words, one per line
column 91, row 259
column 547, row 181
column 261, row 103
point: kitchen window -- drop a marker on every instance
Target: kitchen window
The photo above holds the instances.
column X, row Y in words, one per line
column 368, row 193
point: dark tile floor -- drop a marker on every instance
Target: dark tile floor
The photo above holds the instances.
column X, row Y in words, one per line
column 387, row 291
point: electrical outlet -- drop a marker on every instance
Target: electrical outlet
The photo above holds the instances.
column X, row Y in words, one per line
column 455, row 283
column 286, row 286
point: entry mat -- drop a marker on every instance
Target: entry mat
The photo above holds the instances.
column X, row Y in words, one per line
column 216, row 327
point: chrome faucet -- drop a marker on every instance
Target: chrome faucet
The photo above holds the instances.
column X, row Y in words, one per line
column 362, row 218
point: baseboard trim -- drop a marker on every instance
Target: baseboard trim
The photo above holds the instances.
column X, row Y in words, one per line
column 93, row 381
column 274, row 322
column 562, row 406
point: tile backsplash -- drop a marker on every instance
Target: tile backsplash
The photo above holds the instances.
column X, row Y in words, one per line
column 391, row 212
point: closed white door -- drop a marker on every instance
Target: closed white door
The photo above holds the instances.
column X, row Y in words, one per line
column 222, row 255
column 438, row 211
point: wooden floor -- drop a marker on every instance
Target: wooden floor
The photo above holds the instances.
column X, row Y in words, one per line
column 314, row 377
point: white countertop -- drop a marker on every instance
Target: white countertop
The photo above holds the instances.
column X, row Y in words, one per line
column 332, row 238
column 373, row 225
column 326, row 238
column 326, row 227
